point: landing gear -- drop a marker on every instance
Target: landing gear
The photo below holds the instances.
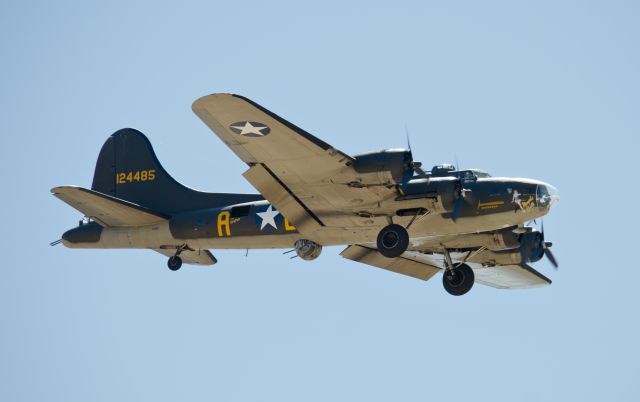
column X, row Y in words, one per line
column 174, row 263
column 458, row 280
column 393, row 240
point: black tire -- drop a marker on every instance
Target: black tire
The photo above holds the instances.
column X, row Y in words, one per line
column 459, row 280
column 174, row 263
column 393, row 240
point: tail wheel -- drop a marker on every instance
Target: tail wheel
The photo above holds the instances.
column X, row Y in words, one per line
column 459, row 280
column 174, row 263
column 392, row 241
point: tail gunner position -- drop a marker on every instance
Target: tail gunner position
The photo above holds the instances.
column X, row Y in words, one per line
column 387, row 210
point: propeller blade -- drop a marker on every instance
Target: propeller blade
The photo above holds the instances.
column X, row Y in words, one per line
column 551, row 257
column 457, row 208
column 546, row 247
column 523, row 254
column 406, row 131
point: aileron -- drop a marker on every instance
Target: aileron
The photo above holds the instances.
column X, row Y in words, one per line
column 510, row 277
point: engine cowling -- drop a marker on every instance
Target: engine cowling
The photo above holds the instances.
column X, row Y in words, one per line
column 307, row 250
column 531, row 246
column 389, row 167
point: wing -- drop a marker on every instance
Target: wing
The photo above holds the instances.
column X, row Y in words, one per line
column 499, row 269
column 509, row 276
column 196, row 257
column 106, row 210
column 303, row 176
column 503, row 269
column 412, row 264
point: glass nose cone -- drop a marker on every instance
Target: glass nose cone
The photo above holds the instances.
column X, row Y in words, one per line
column 547, row 196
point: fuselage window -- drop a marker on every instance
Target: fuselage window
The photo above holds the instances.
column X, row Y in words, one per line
column 237, row 212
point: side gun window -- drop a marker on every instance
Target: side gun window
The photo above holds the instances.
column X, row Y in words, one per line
column 237, row 212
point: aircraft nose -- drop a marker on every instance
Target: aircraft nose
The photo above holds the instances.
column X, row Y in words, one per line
column 547, row 196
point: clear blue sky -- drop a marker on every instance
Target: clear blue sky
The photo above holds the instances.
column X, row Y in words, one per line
column 542, row 89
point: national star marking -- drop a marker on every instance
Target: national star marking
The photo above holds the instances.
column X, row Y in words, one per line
column 268, row 217
column 249, row 128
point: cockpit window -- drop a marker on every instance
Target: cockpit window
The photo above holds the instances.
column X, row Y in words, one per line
column 449, row 170
column 472, row 174
column 481, row 173
column 467, row 174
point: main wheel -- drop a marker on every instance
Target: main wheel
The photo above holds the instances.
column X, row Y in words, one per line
column 393, row 240
column 459, row 280
column 174, row 263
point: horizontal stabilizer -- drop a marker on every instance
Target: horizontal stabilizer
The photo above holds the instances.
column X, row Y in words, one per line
column 416, row 265
column 196, row 257
column 108, row 211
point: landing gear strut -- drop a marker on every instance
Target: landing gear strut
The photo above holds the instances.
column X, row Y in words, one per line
column 175, row 262
column 457, row 279
column 393, row 240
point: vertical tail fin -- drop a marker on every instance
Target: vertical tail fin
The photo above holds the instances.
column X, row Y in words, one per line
column 127, row 168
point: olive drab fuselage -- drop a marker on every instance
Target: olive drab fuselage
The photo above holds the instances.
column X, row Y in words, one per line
column 495, row 203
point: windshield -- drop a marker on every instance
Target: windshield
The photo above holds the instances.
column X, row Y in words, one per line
column 472, row 174
column 547, row 196
column 481, row 173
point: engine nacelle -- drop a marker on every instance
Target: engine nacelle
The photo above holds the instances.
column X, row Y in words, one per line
column 307, row 250
column 445, row 189
column 391, row 166
column 501, row 240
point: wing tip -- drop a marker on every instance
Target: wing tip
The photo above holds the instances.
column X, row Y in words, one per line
column 203, row 99
column 62, row 189
column 537, row 273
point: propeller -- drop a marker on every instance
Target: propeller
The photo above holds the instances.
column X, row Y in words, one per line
column 416, row 166
column 533, row 247
column 411, row 166
column 461, row 194
column 546, row 246
column 457, row 206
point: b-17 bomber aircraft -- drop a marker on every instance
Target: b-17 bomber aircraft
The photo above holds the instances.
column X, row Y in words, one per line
column 383, row 206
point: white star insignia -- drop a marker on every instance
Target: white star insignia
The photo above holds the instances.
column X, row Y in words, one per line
column 249, row 128
column 268, row 217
